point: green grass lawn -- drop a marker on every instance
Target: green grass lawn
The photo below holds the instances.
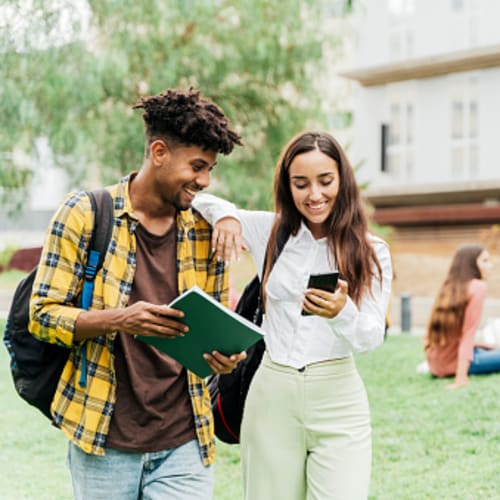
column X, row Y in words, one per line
column 428, row 443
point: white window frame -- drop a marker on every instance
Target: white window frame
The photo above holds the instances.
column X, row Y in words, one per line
column 400, row 148
column 464, row 154
column 401, row 38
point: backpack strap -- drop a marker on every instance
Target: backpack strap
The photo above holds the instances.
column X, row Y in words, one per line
column 281, row 238
column 102, row 206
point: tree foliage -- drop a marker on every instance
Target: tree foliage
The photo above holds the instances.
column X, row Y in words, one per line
column 260, row 60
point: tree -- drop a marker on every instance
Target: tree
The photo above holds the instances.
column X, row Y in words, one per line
column 260, row 60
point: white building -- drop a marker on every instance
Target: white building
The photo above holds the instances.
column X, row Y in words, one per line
column 429, row 71
column 426, row 124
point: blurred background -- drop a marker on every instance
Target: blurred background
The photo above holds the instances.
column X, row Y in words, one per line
column 409, row 88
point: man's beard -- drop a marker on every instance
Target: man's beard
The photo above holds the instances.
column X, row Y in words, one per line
column 179, row 206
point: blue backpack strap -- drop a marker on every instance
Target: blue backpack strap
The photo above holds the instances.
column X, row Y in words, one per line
column 102, row 207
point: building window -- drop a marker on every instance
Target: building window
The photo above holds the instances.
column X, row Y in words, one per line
column 409, row 123
column 395, row 126
column 473, row 119
column 384, row 133
column 463, row 25
column 394, row 162
column 401, row 26
column 457, row 162
column 401, row 8
column 400, row 139
column 464, row 128
column 395, row 45
column 457, row 119
column 473, row 160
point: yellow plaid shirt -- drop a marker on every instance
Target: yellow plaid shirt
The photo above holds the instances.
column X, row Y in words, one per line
column 84, row 414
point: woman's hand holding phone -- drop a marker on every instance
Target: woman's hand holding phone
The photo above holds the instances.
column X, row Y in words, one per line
column 325, row 296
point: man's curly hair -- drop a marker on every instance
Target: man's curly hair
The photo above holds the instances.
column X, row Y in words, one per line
column 185, row 117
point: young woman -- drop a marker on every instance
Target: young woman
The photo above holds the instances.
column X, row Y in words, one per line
column 449, row 344
column 306, row 427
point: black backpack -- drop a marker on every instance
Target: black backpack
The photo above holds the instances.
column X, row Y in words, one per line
column 36, row 366
column 228, row 392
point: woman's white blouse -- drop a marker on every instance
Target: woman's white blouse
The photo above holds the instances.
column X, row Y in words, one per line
column 293, row 339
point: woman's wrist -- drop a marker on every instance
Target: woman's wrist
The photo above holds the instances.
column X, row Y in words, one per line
column 461, row 380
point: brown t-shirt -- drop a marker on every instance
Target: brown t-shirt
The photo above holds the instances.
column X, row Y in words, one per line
column 153, row 409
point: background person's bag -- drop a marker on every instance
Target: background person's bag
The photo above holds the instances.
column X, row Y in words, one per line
column 228, row 392
column 36, row 366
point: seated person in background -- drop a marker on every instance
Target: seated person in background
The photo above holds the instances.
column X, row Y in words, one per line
column 450, row 346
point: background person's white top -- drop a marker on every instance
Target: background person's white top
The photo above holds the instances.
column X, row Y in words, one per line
column 293, row 339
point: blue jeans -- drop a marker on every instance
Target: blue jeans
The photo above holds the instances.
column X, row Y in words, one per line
column 485, row 361
column 177, row 473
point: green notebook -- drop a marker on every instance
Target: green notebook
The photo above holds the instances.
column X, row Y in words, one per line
column 212, row 327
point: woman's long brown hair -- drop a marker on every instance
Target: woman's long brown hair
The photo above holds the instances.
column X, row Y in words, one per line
column 447, row 315
column 347, row 224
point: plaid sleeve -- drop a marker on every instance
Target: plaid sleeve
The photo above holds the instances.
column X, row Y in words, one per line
column 58, row 280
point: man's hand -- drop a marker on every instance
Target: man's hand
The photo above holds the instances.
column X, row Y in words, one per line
column 141, row 318
column 223, row 364
column 152, row 320
column 226, row 239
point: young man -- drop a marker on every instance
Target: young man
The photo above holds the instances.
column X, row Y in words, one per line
column 141, row 427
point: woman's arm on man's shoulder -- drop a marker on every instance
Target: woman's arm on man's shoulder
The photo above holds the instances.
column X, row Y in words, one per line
column 251, row 233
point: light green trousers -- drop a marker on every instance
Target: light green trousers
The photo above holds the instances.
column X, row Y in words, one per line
column 306, row 434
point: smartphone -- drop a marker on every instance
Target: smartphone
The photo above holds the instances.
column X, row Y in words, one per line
column 327, row 282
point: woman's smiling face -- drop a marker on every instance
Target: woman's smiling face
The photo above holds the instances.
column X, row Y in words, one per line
column 314, row 184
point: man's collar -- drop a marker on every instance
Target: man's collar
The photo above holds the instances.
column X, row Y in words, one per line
column 123, row 193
